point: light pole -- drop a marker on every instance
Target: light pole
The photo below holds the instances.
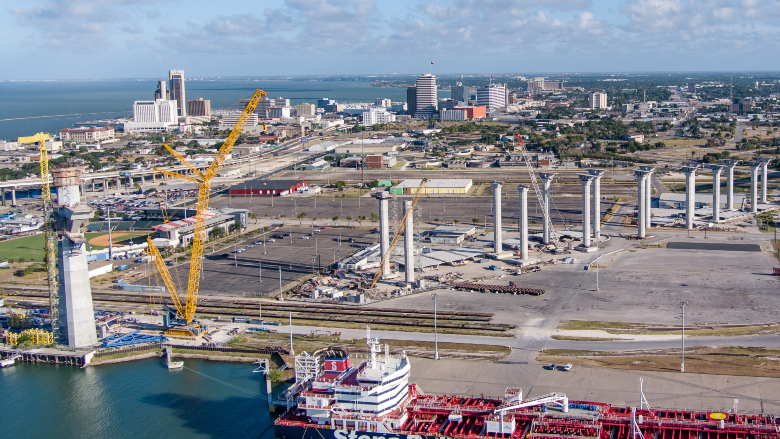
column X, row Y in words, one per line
column 683, row 303
column 435, row 296
column 281, row 297
column 260, row 266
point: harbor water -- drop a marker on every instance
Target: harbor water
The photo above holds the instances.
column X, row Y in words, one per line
column 27, row 107
column 139, row 399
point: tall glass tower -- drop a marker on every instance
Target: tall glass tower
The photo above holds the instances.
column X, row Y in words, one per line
column 176, row 79
column 427, row 102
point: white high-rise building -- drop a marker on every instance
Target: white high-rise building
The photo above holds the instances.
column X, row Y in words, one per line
column 377, row 115
column 597, row 100
column 383, row 103
column 176, row 78
column 492, row 97
column 151, row 116
column 159, row 110
column 427, row 100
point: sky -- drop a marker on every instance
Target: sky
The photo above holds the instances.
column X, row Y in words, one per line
column 101, row 39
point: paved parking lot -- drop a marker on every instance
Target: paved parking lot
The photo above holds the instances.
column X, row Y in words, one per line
column 238, row 274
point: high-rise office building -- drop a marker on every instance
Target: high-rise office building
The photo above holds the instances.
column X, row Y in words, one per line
column 199, row 107
column 597, row 100
column 305, row 110
column 176, row 79
column 492, row 97
column 427, row 101
column 458, row 93
column 162, row 91
column 411, row 100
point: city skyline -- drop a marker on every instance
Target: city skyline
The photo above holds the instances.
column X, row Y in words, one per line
column 329, row 37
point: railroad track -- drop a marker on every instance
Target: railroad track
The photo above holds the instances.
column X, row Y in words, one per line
column 306, row 311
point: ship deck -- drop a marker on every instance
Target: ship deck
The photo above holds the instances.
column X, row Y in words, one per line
column 430, row 416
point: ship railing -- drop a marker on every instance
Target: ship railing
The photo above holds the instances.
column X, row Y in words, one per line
column 698, row 425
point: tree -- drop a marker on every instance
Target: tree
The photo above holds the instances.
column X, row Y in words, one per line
column 253, row 216
column 301, row 215
column 217, row 232
column 335, row 218
column 374, row 217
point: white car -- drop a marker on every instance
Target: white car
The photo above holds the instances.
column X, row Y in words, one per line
column 317, row 230
column 271, row 240
column 304, row 237
column 258, row 242
column 567, row 367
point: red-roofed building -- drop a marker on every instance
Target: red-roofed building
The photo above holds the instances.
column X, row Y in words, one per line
column 87, row 134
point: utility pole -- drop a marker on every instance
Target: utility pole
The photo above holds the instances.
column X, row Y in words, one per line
column 281, row 297
column 435, row 296
column 683, row 303
column 260, row 265
column 292, row 352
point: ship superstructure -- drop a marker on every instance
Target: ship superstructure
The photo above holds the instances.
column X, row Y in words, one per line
column 333, row 399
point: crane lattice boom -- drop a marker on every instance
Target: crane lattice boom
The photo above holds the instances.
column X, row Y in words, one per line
column 51, row 240
column 535, row 184
column 398, row 231
column 203, row 179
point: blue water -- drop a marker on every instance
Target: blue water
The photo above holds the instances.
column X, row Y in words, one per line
column 139, row 399
column 49, row 106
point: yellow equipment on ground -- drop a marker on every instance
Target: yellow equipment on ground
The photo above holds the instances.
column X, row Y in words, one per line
column 186, row 308
column 37, row 336
column 51, row 239
column 399, row 229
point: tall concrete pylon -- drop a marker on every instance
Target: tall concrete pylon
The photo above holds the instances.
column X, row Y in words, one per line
column 409, row 245
column 690, row 194
column 716, row 170
column 754, row 167
column 384, row 229
column 597, row 173
column 547, row 220
column 587, row 182
column 523, row 220
column 641, row 205
column 764, row 164
column 77, row 315
column 730, row 165
column 497, row 238
column 648, row 195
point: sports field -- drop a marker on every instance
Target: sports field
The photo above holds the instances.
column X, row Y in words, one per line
column 31, row 247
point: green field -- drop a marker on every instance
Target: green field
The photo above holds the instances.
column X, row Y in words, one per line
column 31, row 247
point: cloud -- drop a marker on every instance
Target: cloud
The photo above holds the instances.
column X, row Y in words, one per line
column 78, row 25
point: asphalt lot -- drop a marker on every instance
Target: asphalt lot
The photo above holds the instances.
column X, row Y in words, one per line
column 444, row 209
column 238, row 274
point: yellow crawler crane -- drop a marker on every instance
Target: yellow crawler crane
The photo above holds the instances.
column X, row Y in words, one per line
column 186, row 308
column 51, row 240
column 399, row 229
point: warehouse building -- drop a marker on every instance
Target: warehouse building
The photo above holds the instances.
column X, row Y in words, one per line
column 436, row 186
column 451, row 234
column 267, row 187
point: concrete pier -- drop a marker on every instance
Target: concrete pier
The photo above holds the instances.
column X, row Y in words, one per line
column 640, row 203
column 523, row 221
column 648, row 195
column 730, row 165
column 384, row 229
column 546, row 221
column 716, row 170
column 13, row 197
column 76, row 312
column 764, row 163
column 409, row 245
column 754, row 167
column 596, row 173
column 2, row 196
column 498, row 245
column 587, row 182
column 690, row 194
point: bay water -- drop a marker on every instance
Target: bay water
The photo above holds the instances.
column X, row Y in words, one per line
column 28, row 107
column 139, row 399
